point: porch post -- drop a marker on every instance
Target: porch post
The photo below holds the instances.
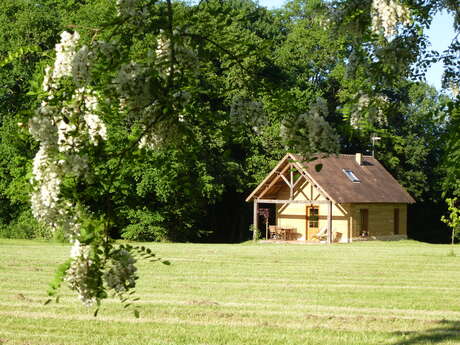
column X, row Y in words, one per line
column 329, row 222
column 255, row 221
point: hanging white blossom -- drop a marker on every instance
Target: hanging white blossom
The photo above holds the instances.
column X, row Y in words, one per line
column 386, row 15
column 78, row 274
column 374, row 110
column 45, row 195
column 66, row 140
column 454, row 89
column 95, row 127
column 149, row 141
column 65, row 52
column 62, row 130
column 44, row 131
column 47, row 79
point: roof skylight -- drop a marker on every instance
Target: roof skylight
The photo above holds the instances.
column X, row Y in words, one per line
column 351, row 176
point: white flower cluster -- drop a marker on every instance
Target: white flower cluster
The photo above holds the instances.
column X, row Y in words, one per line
column 77, row 276
column 121, row 275
column 163, row 47
column 386, row 15
column 163, row 54
column 65, row 52
column 63, row 128
column 356, row 114
column 373, row 109
column 454, row 89
column 94, row 126
column 148, row 141
column 45, row 197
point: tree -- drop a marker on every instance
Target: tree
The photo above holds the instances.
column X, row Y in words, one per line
column 453, row 221
column 451, row 165
column 32, row 29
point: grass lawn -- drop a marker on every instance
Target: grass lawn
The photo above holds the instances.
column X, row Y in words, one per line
column 390, row 293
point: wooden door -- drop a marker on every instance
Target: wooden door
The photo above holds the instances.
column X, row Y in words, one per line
column 364, row 222
column 312, row 221
column 396, row 221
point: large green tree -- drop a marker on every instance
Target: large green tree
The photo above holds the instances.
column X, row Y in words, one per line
column 28, row 30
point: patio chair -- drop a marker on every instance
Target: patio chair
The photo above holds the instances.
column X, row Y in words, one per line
column 272, row 232
column 337, row 237
column 291, row 234
column 322, row 234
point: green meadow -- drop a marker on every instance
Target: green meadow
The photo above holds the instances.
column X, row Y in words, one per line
column 390, row 293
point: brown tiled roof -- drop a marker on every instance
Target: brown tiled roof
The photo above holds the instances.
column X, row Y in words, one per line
column 376, row 183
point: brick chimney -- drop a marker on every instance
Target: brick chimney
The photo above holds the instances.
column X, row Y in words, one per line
column 359, row 158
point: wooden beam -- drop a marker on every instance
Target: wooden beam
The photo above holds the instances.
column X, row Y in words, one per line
column 307, row 202
column 329, row 222
column 291, row 185
column 298, row 180
column 255, row 221
column 285, row 180
column 267, row 178
column 267, row 188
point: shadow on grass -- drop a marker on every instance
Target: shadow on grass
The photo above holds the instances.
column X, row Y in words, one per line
column 447, row 330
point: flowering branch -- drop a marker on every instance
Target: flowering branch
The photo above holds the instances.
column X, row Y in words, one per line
column 75, row 126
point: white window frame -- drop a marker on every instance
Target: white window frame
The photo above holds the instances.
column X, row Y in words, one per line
column 351, row 176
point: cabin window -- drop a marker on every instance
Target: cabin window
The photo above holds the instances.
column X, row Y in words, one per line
column 351, row 176
column 313, row 217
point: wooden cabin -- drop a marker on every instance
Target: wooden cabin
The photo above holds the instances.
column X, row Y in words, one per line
column 351, row 197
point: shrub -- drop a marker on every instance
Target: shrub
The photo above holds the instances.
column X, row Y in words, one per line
column 145, row 226
column 25, row 227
